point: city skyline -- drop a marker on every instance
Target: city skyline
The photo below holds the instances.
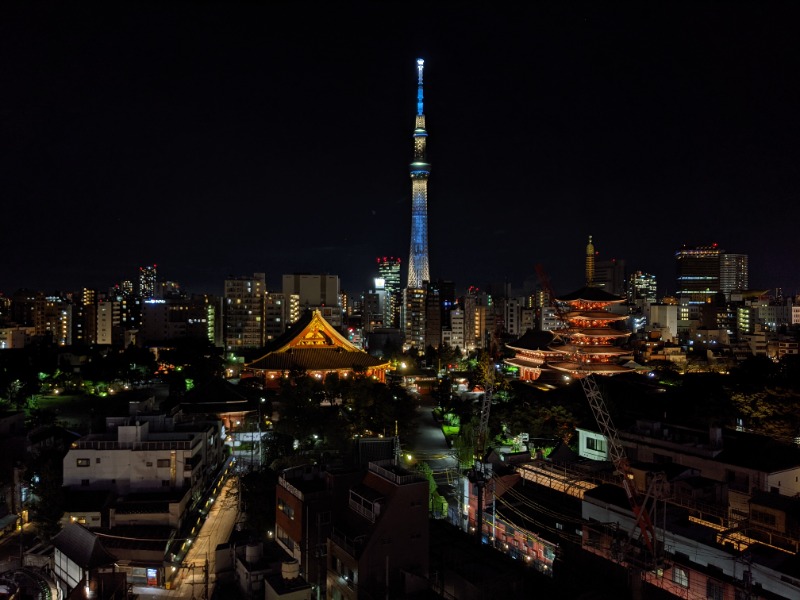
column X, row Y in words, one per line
column 234, row 139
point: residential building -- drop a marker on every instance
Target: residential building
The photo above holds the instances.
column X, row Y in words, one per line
column 379, row 540
column 108, row 322
column 244, row 312
column 148, row 281
column 414, row 313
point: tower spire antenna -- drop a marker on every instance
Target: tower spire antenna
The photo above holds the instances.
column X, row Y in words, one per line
column 420, row 67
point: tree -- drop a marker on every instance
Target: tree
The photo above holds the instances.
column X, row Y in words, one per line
column 46, row 475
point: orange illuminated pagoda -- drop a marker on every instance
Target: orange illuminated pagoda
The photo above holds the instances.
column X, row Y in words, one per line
column 590, row 342
column 314, row 346
column 531, row 352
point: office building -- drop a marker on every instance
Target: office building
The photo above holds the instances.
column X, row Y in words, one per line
column 641, row 288
column 698, row 273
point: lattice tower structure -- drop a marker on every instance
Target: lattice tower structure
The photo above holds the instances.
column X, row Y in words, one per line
column 418, row 266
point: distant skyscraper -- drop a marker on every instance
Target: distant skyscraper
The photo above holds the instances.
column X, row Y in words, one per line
column 389, row 271
column 733, row 273
column 609, row 275
column 698, row 273
column 147, row 282
column 418, row 267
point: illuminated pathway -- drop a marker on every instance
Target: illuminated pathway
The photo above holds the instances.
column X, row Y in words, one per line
column 217, row 528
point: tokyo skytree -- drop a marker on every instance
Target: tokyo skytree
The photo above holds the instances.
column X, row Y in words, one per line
column 418, row 268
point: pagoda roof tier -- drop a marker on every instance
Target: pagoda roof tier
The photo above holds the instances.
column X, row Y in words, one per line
column 592, row 350
column 532, row 340
column 606, row 332
column 594, row 315
column 582, row 369
column 591, row 294
column 516, row 362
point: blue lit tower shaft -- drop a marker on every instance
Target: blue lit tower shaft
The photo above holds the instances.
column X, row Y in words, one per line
column 418, row 268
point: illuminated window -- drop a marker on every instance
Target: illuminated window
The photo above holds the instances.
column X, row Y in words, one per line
column 680, row 576
column 83, row 462
column 596, row 444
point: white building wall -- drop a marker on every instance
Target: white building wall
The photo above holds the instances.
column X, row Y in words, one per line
column 457, row 329
column 664, row 317
column 786, row 482
column 68, row 574
column 592, row 444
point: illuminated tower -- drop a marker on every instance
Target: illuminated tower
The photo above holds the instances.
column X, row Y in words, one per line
column 590, row 263
column 418, row 268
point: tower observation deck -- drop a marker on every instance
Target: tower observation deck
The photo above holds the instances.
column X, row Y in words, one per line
column 418, row 267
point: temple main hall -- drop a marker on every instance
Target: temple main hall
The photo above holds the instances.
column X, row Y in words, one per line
column 314, row 346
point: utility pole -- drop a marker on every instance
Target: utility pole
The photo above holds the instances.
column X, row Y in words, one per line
column 205, row 576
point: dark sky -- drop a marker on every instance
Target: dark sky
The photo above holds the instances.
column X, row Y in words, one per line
column 226, row 138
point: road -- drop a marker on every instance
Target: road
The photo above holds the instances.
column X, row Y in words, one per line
column 190, row 583
column 428, row 444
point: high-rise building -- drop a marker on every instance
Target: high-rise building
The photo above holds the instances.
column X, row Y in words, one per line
column 314, row 292
column 374, row 306
column 414, row 318
column 641, row 287
column 147, row 282
column 84, row 322
column 433, row 315
column 244, row 312
column 698, row 273
column 277, row 313
column 108, row 321
column 609, row 275
column 418, row 267
column 733, row 273
column 389, row 271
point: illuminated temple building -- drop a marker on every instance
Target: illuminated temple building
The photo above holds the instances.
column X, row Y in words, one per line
column 531, row 352
column 312, row 345
column 590, row 342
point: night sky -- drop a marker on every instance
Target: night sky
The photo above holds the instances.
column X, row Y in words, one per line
column 228, row 138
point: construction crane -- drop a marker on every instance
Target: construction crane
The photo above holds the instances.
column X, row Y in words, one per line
column 639, row 507
column 480, row 471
